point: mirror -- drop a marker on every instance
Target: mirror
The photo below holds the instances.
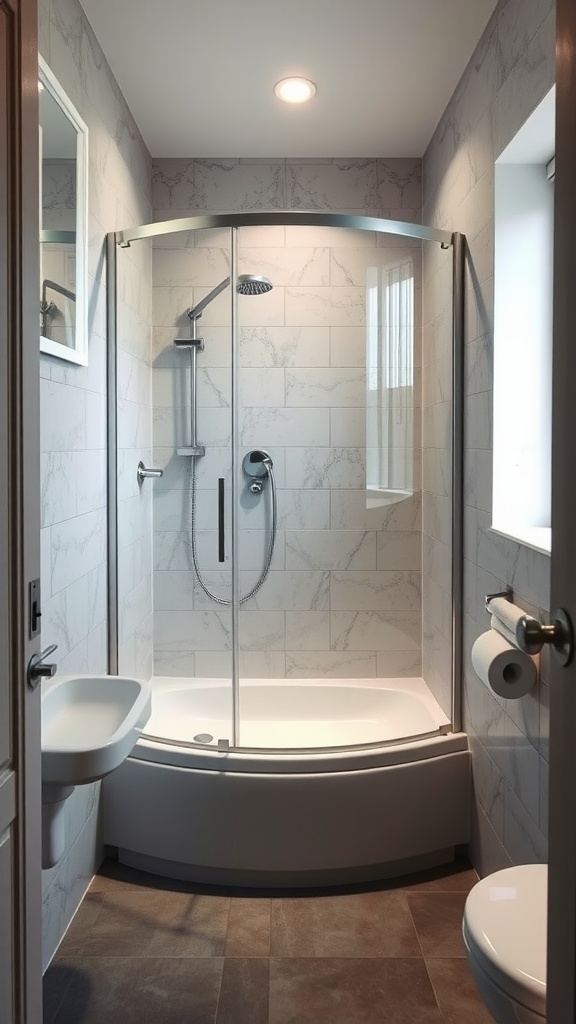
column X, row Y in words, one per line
column 63, row 223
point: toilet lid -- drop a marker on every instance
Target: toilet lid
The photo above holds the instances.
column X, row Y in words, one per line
column 505, row 930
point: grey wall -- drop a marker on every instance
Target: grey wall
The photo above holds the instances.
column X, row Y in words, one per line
column 509, row 73
column 73, row 420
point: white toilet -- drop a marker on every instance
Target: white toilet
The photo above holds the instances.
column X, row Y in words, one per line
column 504, row 930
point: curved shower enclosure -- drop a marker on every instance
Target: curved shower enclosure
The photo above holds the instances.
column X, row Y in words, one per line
column 288, row 575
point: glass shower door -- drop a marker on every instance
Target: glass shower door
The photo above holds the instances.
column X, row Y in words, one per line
column 186, row 513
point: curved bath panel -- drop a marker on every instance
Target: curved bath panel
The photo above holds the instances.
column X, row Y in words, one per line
column 298, row 817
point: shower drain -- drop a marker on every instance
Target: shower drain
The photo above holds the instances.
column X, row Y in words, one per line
column 203, row 737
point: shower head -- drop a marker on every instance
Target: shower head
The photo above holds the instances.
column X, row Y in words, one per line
column 247, row 284
column 251, row 284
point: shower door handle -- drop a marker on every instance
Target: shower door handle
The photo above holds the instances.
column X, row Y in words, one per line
column 221, row 555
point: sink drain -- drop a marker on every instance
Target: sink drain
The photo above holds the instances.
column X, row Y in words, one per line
column 203, row 737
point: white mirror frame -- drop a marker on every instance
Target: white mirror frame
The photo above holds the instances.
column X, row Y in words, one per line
column 78, row 354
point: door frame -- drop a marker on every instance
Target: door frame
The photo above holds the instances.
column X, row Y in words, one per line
column 23, row 481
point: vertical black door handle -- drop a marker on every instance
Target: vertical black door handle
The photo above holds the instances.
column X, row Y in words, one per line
column 221, row 519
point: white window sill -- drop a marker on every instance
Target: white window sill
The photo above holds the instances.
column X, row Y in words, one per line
column 539, row 538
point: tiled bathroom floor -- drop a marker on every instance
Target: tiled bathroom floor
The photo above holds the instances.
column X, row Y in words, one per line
column 143, row 950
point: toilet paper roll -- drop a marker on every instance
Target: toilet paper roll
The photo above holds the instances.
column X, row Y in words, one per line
column 504, row 669
column 508, row 634
column 509, row 614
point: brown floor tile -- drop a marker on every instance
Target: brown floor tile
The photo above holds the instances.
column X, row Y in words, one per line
column 81, row 925
column 361, row 925
column 152, row 923
column 131, row 990
column 244, row 991
column 55, row 985
column 456, row 992
column 438, row 920
column 248, row 931
column 351, row 991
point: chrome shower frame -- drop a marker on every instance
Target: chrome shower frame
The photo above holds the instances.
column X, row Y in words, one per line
column 448, row 240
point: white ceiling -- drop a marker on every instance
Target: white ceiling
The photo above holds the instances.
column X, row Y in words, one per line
column 198, row 75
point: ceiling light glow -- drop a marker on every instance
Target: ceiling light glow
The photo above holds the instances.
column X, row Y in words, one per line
column 295, row 90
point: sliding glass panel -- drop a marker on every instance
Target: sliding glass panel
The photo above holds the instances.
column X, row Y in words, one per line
column 191, row 501
column 329, row 504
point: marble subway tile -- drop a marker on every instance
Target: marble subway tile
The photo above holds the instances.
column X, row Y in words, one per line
column 401, row 664
column 285, row 426
column 293, row 590
column 58, row 487
column 175, row 663
column 304, row 509
column 338, row 185
column 348, row 511
column 399, row 550
column 325, row 307
column 374, row 630
column 308, row 631
column 261, row 630
column 284, row 346
column 348, row 427
column 347, row 346
column 192, row 630
column 328, row 665
column 262, row 387
column 325, row 387
column 77, row 546
column 325, row 467
column 287, row 266
column 321, row 549
column 375, row 591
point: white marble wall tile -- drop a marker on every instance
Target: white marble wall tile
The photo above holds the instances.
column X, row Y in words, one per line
column 349, row 266
column 78, row 545
column 57, row 434
column 325, row 387
column 254, row 546
column 91, row 474
column 66, row 617
column 59, row 486
column 372, row 630
column 375, row 591
column 262, row 665
column 192, row 630
column 233, row 185
column 523, row 839
column 304, row 509
column 285, row 426
column 399, row 549
column 348, row 512
column 401, row 664
column 324, row 467
column 339, row 185
column 329, row 665
column 292, row 590
column 347, row 346
column 175, row 663
column 321, row 307
column 261, row 630
column 213, row 665
column 263, row 386
column 321, row 549
column 287, row 266
column 307, row 631
column 190, row 267
column 284, row 346
column 348, row 427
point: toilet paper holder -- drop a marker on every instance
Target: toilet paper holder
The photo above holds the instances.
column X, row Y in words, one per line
column 531, row 635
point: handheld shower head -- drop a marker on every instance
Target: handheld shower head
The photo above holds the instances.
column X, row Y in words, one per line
column 247, row 284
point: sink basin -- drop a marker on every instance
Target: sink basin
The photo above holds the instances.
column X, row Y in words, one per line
column 89, row 726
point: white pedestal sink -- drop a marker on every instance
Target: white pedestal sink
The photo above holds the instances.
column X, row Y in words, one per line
column 89, row 727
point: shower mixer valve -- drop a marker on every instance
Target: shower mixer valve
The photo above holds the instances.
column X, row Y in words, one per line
column 256, row 465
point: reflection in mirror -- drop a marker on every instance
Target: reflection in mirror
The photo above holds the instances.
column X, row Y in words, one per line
column 63, row 140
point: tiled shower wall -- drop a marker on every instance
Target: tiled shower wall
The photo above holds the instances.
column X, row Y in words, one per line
column 73, row 421
column 343, row 594
column 510, row 72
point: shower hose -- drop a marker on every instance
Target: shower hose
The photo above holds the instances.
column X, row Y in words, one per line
column 265, row 571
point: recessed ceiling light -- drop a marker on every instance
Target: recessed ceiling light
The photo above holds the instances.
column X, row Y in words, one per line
column 295, row 90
